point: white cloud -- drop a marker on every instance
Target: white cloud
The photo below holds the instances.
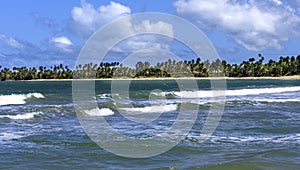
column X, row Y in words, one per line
column 62, row 43
column 87, row 18
column 62, row 40
column 162, row 27
column 14, row 52
column 11, row 41
column 113, row 10
column 148, row 41
column 278, row 2
column 256, row 25
column 142, row 42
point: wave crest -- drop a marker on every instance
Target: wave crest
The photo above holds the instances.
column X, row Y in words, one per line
column 99, row 112
column 21, row 116
column 239, row 92
column 16, row 99
column 152, row 109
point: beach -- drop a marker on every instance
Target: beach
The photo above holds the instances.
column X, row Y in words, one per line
column 297, row 77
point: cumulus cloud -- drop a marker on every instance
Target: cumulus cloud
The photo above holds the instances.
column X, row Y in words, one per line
column 142, row 42
column 150, row 41
column 84, row 20
column 278, row 2
column 162, row 27
column 256, row 25
column 87, row 18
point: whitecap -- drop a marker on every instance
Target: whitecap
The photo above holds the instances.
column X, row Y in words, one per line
column 99, row 112
column 239, row 92
column 21, row 116
column 17, row 99
column 152, row 109
column 289, row 138
column 9, row 136
column 278, row 100
column 104, row 96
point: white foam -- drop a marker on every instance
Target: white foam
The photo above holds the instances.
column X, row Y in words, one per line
column 239, row 92
column 109, row 96
column 291, row 138
column 15, row 99
column 21, row 116
column 99, row 112
column 104, row 96
column 257, row 91
column 278, row 100
column 259, row 100
column 199, row 102
column 9, row 136
column 152, row 109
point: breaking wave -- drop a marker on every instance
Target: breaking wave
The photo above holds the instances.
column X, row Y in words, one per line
column 21, row 116
column 99, row 112
column 291, row 138
column 15, row 99
column 152, row 109
column 278, row 100
column 239, row 92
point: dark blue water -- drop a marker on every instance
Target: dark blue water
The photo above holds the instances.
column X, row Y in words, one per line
column 259, row 129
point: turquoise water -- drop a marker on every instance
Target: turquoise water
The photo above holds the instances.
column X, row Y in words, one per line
column 260, row 127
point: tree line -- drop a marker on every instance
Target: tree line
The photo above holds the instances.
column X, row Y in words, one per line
column 284, row 66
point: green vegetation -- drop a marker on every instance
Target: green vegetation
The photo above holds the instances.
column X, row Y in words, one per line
column 285, row 66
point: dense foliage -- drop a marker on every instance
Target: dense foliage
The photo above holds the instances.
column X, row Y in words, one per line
column 285, row 66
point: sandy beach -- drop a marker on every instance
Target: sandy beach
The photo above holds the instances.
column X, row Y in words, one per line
column 183, row 78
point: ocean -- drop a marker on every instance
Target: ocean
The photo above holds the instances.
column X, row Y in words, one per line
column 259, row 127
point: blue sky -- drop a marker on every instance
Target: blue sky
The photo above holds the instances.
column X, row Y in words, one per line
column 35, row 32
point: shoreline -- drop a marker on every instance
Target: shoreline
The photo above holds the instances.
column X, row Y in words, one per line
column 297, row 77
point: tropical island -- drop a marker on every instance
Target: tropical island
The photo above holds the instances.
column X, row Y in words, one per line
column 284, row 66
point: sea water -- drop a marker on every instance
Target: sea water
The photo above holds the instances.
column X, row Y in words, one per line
column 259, row 129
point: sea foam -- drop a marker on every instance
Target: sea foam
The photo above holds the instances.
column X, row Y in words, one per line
column 239, row 92
column 15, row 99
column 278, row 100
column 21, row 116
column 290, row 138
column 152, row 109
column 99, row 112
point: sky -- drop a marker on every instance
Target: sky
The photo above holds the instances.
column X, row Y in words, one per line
column 51, row 32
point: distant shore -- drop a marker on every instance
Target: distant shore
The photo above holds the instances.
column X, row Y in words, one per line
column 297, row 77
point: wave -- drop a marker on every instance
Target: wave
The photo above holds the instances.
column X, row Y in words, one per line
column 290, row 138
column 21, row 116
column 245, row 101
column 15, row 99
column 274, row 139
column 246, row 92
column 239, row 92
column 152, row 109
column 278, row 100
column 99, row 112
column 9, row 136
column 104, row 96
